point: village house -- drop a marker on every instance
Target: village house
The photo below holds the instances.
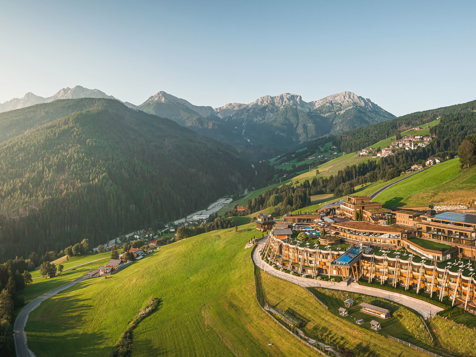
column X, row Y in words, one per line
column 432, row 161
column 137, row 252
column 264, row 223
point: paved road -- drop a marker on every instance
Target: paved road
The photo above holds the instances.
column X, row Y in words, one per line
column 373, row 195
column 21, row 346
column 426, row 309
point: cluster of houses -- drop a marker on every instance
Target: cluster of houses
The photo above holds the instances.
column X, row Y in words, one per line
column 413, row 247
column 409, row 142
column 115, row 265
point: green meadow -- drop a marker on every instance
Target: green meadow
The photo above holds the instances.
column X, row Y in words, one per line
column 326, row 327
column 209, row 308
column 444, row 182
column 41, row 285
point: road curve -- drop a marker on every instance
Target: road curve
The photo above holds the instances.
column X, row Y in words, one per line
column 426, row 309
column 373, row 195
column 21, row 346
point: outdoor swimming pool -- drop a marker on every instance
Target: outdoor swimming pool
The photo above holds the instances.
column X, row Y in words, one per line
column 348, row 256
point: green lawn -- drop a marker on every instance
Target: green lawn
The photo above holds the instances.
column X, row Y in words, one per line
column 332, row 167
column 73, row 261
column 209, row 308
column 424, row 131
column 42, row 285
column 429, row 244
column 403, row 324
column 441, row 183
column 383, row 143
column 326, row 327
column 460, row 340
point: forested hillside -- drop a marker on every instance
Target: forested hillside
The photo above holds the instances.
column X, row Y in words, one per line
column 455, row 124
column 103, row 171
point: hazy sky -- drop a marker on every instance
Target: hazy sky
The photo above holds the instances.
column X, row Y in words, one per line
column 405, row 56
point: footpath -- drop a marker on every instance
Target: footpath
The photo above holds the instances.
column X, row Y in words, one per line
column 424, row 308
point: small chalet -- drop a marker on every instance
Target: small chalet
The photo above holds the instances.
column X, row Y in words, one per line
column 264, row 223
column 432, row 161
column 283, row 233
column 349, row 303
column 114, row 263
column 416, row 167
column 153, row 244
column 343, row 311
column 103, row 270
column 240, row 208
column 137, row 252
column 375, row 325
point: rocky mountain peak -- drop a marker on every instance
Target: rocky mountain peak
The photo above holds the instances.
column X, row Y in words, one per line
column 343, row 100
column 78, row 92
column 280, row 101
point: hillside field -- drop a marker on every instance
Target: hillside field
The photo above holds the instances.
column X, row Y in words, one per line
column 42, row 285
column 443, row 183
column 209, row 306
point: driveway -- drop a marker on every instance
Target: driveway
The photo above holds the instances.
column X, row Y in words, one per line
column 426, row 309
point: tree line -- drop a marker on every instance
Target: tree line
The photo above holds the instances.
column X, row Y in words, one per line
column 451, row 134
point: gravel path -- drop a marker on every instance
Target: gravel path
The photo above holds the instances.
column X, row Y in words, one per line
column 426, row 309
column 19, row 336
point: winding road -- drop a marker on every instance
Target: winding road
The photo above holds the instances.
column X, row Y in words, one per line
column 19, row 334
column 373, row 195
column 426, row 309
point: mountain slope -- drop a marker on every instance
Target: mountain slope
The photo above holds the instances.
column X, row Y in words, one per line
column 270, row 124
column 30, row 99
column 106, row 170
column 17, row 122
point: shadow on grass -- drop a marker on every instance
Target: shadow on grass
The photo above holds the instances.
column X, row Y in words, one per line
column 52, row 329
column 394, row 202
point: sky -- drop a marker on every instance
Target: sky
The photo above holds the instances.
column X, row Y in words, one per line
column 405, row 56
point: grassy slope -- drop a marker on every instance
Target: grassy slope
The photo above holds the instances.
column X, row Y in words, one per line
column 74, row 261
column 332, row 167
column 325, row 325
column 442, row 183
column 209, row 306
column 457, row 338
column 243, row 200
column 404, row 323
column 388, row 141
column 42, row 285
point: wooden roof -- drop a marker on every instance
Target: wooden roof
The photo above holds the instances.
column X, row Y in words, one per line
column 366, row 226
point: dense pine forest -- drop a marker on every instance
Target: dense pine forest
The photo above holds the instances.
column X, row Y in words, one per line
column 104, row 171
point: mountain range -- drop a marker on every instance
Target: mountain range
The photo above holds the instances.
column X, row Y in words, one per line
column 95, row 168
column 260, row 129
